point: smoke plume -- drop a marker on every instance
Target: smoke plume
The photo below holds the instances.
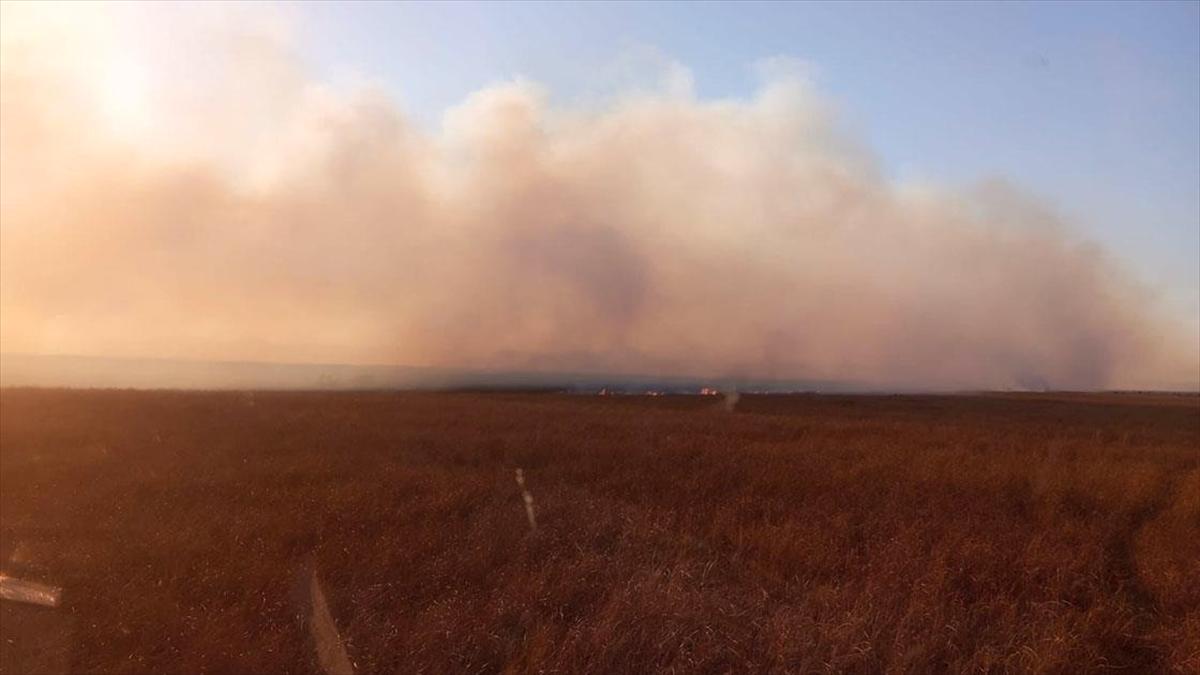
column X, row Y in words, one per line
column 212, row 200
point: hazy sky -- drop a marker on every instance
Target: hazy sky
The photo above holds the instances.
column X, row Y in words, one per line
column 1093, row 106
column 918, row 196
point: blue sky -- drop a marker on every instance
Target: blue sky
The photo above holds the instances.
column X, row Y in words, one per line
column 1094, row 107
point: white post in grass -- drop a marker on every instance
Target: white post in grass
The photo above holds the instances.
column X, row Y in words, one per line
column 528, row 500
column 731, row 400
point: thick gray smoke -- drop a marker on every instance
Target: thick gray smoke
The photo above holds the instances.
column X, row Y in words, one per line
column 247, row 212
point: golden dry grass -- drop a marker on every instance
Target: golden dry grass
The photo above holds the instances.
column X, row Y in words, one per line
column 798, row 534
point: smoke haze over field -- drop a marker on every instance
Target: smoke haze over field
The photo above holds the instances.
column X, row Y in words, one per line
column 207, row 199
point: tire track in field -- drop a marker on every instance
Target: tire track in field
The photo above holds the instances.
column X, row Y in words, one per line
column 313, row 613
column 1138, row 650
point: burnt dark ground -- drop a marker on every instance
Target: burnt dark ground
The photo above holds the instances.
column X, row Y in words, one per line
column 800, row 533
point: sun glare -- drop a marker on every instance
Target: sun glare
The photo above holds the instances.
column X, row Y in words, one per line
column 124, row 95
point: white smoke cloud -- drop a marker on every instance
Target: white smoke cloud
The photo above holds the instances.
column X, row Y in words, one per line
column 211, row 200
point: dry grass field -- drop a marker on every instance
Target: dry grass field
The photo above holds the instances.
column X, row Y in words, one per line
column 802, row 534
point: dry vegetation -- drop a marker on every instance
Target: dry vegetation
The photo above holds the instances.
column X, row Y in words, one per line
column 800, row 534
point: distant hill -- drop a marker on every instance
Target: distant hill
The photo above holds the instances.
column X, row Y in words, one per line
column 38, row 370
